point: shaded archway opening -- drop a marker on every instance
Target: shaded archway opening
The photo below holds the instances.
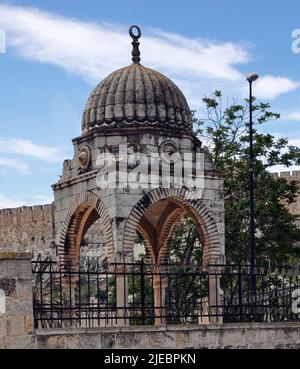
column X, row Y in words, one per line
column 85, row 208
column 203, row 217
column 171, row 239
column 168, row 232
column 85, row 239
column 93, row 246
column 87, row 281
column 186, row 243
column 139, row 249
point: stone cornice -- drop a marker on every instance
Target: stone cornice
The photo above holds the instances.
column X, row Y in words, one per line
column 109, row 131
column 77, row 179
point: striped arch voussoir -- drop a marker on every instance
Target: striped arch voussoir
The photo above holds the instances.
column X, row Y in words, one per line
column 195, row 208
column 68, row 232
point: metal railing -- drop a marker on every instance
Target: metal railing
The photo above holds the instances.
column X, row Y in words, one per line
column 143, row 294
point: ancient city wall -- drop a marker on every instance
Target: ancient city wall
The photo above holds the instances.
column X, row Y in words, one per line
column 292, row 176
column 27, row 229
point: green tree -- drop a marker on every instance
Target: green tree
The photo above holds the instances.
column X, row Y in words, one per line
column 224, row 129
column 185, row 244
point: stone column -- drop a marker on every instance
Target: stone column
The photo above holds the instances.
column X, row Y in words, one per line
column 68, row 287
column 121, row 293
column 16, row 315
column 160, row 283
column 215, row 294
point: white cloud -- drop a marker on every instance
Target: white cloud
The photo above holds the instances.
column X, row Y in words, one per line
column 284, row 169
column 31, row 200
column 291, row 116
column 94, row 50
column 292, row 140
column 28, row 148
column 42, row 199
column 7, row 202
column 270, row 87
column 16, row 165
column 293, row 137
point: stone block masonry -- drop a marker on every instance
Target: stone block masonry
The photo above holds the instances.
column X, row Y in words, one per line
column 292, row 176
column 16, row 315
column 224, row 336
column 27, row 229
column 17, row 326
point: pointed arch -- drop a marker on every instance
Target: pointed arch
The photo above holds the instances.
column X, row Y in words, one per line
column 84, row 210
column 195, row 208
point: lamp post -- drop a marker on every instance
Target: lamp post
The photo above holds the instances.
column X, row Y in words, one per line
column 252, row 78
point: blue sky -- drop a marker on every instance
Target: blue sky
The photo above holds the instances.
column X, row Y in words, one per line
column 57, row 51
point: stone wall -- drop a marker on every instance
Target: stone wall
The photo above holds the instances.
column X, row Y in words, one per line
column 27, row 229
column 244, row 335
column 16, row 315
column 17, row 328
column 292, row 176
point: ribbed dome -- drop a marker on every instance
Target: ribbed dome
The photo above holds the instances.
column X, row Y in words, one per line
column 136, row 96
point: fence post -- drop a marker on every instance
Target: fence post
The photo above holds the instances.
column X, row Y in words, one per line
column 16, row 315
column 240, row 291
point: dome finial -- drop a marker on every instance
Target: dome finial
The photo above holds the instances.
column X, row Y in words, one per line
column 135, row 43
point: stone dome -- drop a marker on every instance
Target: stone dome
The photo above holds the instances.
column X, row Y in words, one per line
column 136, row 96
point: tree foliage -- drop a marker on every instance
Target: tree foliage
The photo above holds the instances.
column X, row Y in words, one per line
column 224, row 129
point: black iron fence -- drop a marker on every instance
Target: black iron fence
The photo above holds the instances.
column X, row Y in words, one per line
column 144, row 294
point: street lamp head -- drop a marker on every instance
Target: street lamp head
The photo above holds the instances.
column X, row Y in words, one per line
column 252, row 77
